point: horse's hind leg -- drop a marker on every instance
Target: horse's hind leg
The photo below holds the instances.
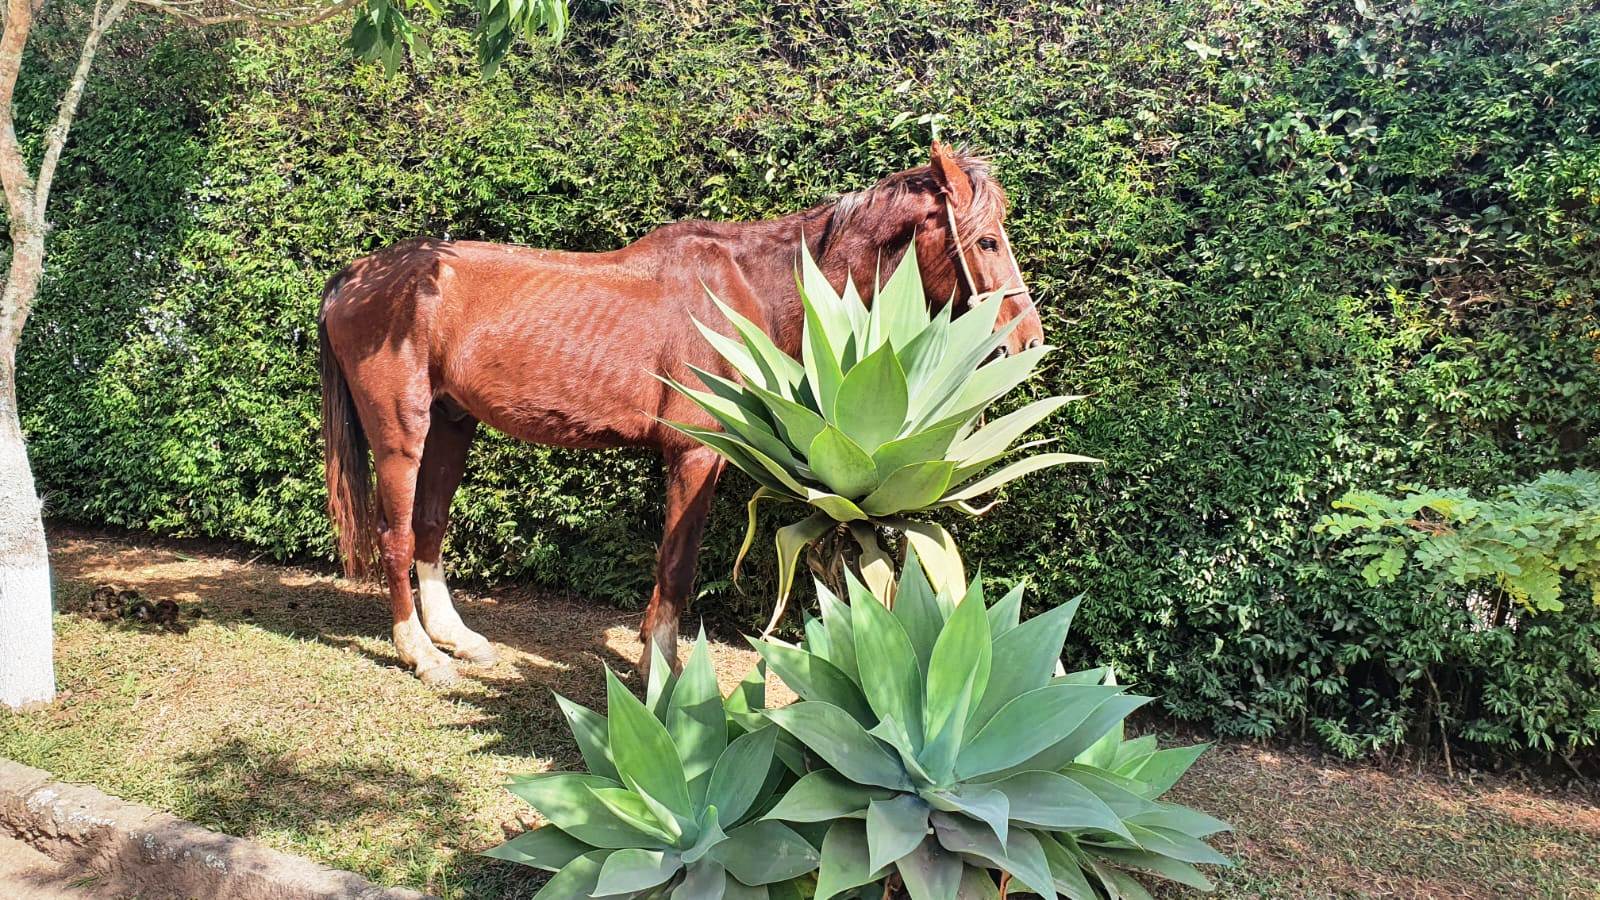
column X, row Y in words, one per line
column 397, row 455
column 444, row 461
column 691, row 484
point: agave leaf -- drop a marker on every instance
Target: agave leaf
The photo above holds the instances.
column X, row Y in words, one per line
column 841, row 464
column 1106, row 716
column 1177, row 845
column 704, row 880
column 632, row 809
column 910, row 488
column 822, row 300
column 1006, row 613
column 1067, row 866
column 877, row 567
column 1164, row 767
column 871, row 405
column 696, row 721
column 1012, row 472
column 658, row 687
column 765, row 851
column 791, row 539
column 737, row 394
column 814, row 678
column 1118, row 793
column 964, row 352
column 576, row 879
column 749, row 696
column 888, row 663
column 992, row 441
column 844, row 860
column 740, row 772
column 1053, row 801
column 763, row 468
column 547, row 848
column 1180, row 818
column 780, row 368
column 976, row 801
column 1030, row 724
column 1021, row 854
column 922, row 445
column 832, row 734
column 798, row 423
column 634, row 869
column 752, row 428
column 992, row 381
column 900, row 303
column 895, row 827
column 841, row 637
column 923, row 354
column 1166, row 867
column 590, row 733
column 821, row 357
column 837, row 507
column 1087, row 676
column 643, row 750
column 824, row 795
column 891, row 732
column 977, row 884
column 941, row 561
column 1030, row 651
column 1132, row 754
column 958, row 672
column 564, row 799
column 761, row 493
column 917, row 610
column 930, row 873
column 736, row 354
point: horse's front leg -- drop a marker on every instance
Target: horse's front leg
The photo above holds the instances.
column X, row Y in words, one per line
column 691, row 483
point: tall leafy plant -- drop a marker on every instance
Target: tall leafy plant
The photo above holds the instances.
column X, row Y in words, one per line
column 876, row 425
column 955, row 763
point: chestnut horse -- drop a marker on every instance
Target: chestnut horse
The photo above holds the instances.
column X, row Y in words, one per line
column 427, row 338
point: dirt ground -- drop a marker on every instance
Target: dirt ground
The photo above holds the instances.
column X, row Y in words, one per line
column 267, row 702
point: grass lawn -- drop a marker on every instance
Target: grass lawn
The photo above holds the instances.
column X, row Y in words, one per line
column 278, row 713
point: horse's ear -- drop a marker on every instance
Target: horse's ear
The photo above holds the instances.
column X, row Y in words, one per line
column 952, row 181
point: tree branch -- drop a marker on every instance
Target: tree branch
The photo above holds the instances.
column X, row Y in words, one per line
column 56, row 137
column 239, row 12
column 14, row 173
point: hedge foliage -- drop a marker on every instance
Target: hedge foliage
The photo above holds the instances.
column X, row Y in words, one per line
column 1290, row 249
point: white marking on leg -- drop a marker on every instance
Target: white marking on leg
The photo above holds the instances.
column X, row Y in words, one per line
column 418, row 653
column 441, row 620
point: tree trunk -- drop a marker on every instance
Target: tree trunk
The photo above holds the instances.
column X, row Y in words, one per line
column 27, row 673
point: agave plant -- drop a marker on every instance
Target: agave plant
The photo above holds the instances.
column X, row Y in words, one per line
column 955, row 761
column 670, row 807
column 875, row 422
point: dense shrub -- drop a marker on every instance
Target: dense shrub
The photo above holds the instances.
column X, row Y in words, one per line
column 1290, row 249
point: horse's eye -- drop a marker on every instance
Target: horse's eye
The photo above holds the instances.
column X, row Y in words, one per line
column 989, row 244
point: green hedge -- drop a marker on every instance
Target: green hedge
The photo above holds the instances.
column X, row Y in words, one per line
column 1289, row 249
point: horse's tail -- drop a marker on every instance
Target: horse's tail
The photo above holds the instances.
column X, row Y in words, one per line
column 345, row 464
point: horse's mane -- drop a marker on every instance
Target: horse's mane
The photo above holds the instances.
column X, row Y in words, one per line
column 861, row 209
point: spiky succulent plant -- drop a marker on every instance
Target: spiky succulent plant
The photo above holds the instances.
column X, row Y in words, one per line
column 670, row 807
column 876, row 420
column 953, row 756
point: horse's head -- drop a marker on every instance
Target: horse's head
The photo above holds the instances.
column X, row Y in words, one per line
column 963, row 247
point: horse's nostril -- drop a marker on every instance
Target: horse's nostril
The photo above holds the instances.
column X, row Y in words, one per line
column 1035, row 342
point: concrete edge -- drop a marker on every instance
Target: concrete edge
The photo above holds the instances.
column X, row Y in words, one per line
column 152, row 854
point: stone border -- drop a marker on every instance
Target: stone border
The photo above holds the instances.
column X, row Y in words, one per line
column 143, row 851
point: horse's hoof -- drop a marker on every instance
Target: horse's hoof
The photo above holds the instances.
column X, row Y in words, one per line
column 441, row 675
column 478, row 655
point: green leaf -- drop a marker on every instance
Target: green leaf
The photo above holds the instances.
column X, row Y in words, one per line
column 992, row 442
column 696, row 721
column 547, row 848
column 791, row 540
column 658, row 687
column 1053, row 801
column 750, row 696
column 844, row 860
column 911, row 488
column 832, row 734
column 918, row 612
column 871, row 406
column 1031, row 651
column 926, row 445
column 1177, row 845
column 814, row 678
column 1164, row 767
column 632, row 809
column 820, row 354
column 1179, row 818
column 644, row 751
column 740, row 772
column 930, row 873
column 765, row 851
column 894, row 827
column 1010, row 473
column 589, row 731
column 838, row 508
column 1021, row 854
column 841, row 636
column 841, row 464
column 1181, row 872
column 824, row 795
column 577, row 879
column 631, row 870
column 704, row 880
column 565, row 799
column 800, row 424
column 900, row 303
column 890, row 677
column 940, row 558
column 779, row 368
column 923, row 355
column 976, row 801
column 877, row 567
column 958, row 672
column 1030, row 724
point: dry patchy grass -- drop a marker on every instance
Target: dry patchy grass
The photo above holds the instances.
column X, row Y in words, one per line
column 280, row 714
